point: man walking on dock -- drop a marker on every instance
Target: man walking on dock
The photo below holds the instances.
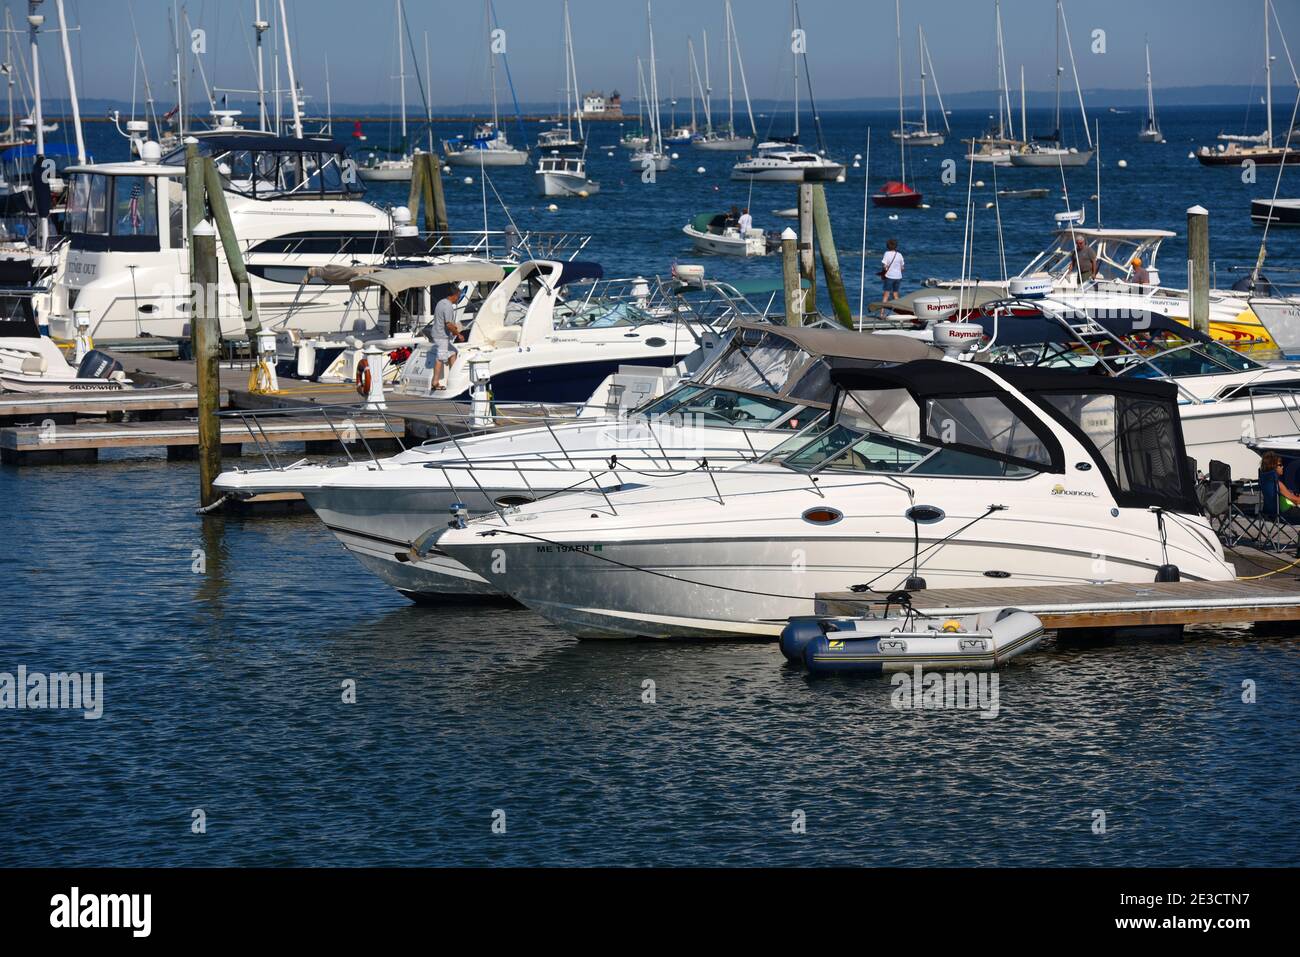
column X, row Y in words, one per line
column 439, row 332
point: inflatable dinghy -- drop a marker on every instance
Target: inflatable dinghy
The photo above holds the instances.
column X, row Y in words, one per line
column 903, row 640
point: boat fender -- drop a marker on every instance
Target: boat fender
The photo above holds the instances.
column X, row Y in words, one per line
column 1167, row 573
column 802, row 629
column 363, row 377
column 1008, row 612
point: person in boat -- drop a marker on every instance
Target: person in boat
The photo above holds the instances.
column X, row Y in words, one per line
column 1139, row 276
column 746, row 222
column 891, row 273
column 733, row 217
column 440, row 332
column 1085, row 261
column 1276, row 498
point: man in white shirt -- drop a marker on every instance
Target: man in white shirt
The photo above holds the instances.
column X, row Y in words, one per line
column 746, row 222
column 891, row 273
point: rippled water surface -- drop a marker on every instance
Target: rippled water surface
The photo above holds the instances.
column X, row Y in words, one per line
column 223, row 686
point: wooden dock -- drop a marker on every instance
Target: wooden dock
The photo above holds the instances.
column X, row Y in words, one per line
column 81, row 441
column 18, row 407
column 1111, row 605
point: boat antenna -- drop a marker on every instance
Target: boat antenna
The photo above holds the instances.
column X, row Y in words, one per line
column 1097, row 163
column 968, row 232
column 866, row 192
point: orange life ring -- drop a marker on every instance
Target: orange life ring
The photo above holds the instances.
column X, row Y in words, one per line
column 363, row 377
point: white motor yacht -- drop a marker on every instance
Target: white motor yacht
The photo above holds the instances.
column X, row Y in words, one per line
column 292, row 206
column 936, row 474
column 736, row 403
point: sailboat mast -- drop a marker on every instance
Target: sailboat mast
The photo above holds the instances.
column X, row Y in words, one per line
column 920, row 61
column 288, row 65
column 731, row 100
column 1058, row 71
column 708, row 87
column 794, row 24
column 690, row 51
column 902, row 130
column 9, row 68
column 573, row 71
column 492, row 58
column 428, row 97
column 401, row 71
column 656, row 135
column 1024, row 126
column 1268, row 77
column 72, row 82
column 1074, row 71
column 259, row 27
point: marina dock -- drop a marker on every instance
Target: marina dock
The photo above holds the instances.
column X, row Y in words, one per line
column 1108, row 606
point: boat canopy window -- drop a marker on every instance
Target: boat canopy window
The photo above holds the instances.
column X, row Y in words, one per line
column 1132, row 436
column 844, row 449
column 597, row 314
column 762, row 367
column 112, row 212
column 722, row 407
column 948, row 405
column 260, row 172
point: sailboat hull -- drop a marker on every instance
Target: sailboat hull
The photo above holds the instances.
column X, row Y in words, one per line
column 918, row 139
column 1052, row 160
column 727, row 144
column 385, row 174
column 477, row 157
column 1151, row 136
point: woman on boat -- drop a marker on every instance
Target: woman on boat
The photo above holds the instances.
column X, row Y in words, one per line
column 1271, row 487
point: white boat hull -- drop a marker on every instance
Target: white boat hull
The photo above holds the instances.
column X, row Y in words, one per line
column 477, row 157
column 564, row 184
column 732, row 244
column 384, row 174
column 732, row 144
column 1051, row 159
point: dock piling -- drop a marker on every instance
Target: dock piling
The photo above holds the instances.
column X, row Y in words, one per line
column 794, row 301
column 807, row 263
column 205, row 335
column 830, row 258
column 1198, row 267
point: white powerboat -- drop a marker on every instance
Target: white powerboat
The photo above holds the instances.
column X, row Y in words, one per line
column 532, row 350
column 782, row 163
column 739, row 401
column 936, row 474
column 31, row 362
column 711, row 234
column 1114, row 291
column 564, row 176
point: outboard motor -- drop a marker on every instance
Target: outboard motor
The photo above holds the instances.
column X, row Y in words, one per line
column 98, row 365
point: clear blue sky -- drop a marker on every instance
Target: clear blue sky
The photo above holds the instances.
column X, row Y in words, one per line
column 850, row 42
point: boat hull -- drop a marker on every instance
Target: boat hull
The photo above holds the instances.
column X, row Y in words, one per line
column 733, row 144
column 720, row 245
column 1051, row 160
column 476, row 157
column 1283, row 212
column 563, row 185
column 395, row 174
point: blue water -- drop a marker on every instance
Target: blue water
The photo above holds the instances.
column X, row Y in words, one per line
column 223, row 686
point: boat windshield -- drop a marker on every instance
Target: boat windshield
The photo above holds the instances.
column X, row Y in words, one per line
column 1153, row 355
column 578, row 314
column 714, row 408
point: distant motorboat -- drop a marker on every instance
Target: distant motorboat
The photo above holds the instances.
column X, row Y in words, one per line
column 564, row 176
column 714, row 234
column 787, row 166
column 1022, row 193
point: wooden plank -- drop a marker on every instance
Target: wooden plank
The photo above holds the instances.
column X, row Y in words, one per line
column 28, row 405
column 98, row 435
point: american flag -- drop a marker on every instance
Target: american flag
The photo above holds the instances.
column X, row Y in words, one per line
column 133, row 210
